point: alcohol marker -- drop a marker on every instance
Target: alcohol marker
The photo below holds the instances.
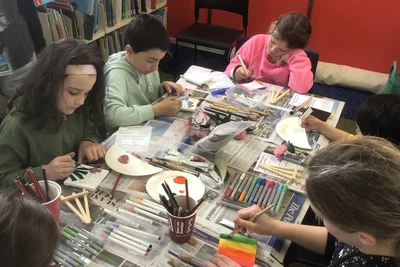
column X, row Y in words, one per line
column 133, row 231
column 145, row 213
column 281, row 197
column 249, row 181
column 146, row 208
column 263, row 193
column 74, row 257
column 259, row 191
column 276, row 198
column 135, row 216
column 148, row 203
column 244, row 205
column 269, row 191
column 129, row 241
column 272, row 197
column 63, row 262
column 242, row 185
column 86, row 235
column 134, row 239
column 87, row 241
column 123, row 218
column 79, row 243
column 230, row 189
column 122, row 244
column 254, row 192
column 241, row 178
column 248, row 193
column 76, row 248
column 231, row 205
column 66, row 258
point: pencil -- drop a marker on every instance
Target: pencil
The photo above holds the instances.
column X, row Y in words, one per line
column 22, row 188
column 115, row 186
column 252, row 219
column 242, row 63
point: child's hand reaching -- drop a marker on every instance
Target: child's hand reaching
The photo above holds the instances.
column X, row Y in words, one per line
column 90, row 152
column 241, row 74
column 221, row 261
column 312, row 123
column 264, row 225
column 60, row 167
column 170, row 106
column 172, row 88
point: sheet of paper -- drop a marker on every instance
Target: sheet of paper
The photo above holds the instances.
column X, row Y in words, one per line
column 319, row 103
column 193, row 68
column 134, row 138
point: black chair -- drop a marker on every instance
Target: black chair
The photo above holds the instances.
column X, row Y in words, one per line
column 210, row 35
column 311, row 54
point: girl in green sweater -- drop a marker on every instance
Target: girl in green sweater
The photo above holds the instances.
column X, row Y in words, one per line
column 56, row 111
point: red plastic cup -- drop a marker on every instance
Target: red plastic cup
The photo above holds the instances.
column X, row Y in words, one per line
column 181, row 228
column 54, row 204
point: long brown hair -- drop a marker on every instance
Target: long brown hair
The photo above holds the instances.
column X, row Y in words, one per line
column 294, row 28
column 356, row 186
column 28, row 231
column 38, row 95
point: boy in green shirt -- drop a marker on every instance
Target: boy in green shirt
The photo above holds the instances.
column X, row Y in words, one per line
column 133, row 82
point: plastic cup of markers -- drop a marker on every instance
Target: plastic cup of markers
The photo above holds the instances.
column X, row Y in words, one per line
column 181, row 228
column 54, row 204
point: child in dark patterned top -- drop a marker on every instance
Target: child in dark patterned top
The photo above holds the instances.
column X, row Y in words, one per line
column 354, row 185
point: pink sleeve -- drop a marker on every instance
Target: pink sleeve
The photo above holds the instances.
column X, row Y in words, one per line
column 245, row 53
column 300, row 78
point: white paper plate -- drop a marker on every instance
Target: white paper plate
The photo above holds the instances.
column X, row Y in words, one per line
column 153, row 185
column 289, row 129
column 134, row 166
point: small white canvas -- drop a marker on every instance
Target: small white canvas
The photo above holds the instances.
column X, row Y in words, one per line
column 189, row 104
column 91, row 179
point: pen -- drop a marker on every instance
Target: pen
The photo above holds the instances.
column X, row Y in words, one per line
column 230, row 189
column 254, row 192
column 238, row 185
column 272, row 197
column 248, row 193
column 259, row 191
column 219, row 91
column 242, row 186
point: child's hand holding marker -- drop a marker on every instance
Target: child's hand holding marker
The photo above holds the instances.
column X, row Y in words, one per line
column 168, row 107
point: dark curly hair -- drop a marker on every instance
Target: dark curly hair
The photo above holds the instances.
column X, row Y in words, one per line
column 37, row 97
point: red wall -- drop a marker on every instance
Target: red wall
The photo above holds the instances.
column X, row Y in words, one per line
column 357, row 33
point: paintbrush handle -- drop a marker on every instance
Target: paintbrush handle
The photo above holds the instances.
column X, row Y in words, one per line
column 252, row 219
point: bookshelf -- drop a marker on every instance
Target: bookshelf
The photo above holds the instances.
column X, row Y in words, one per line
column 58, row 22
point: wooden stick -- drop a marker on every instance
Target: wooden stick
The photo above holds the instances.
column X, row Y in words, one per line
column 74, row 210
column 272, row 95
column 281, row 96
column 74, row 196
column 85, row 199
column 284, row 168
column 282, row 174
column 80, row 207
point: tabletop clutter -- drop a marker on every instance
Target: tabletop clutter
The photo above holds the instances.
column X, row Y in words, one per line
column 179, row 165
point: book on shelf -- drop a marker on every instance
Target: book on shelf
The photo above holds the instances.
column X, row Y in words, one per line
column 92, row 19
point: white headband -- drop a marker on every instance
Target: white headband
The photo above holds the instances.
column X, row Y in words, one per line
column 81, row 69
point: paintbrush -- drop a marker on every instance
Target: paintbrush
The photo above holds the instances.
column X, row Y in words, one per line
column 54, row 156
column 252, row 219
column 192, row 260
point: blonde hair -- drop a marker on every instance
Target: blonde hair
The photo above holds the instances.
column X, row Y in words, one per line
column 356, row 186
column 294, row 28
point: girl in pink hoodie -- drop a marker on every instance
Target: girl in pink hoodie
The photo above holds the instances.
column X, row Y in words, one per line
column 278, row 57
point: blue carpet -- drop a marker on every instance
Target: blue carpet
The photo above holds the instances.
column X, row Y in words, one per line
column 351, row 97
